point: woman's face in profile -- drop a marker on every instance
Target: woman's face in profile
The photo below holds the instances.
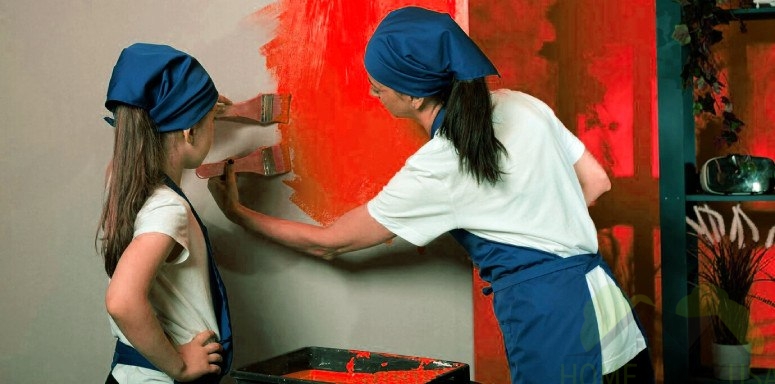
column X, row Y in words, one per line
column 398, row 104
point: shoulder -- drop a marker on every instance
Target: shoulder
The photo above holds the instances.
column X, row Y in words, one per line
column 429, row 171
column 435, row 159
column 507, row 100
column 162, row 197
column 516, row 114
column 164, row 211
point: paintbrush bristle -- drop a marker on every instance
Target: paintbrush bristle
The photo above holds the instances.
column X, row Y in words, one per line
column 275, row 108
column 274, row 160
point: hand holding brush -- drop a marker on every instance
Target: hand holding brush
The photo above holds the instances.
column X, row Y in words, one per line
column 267, row 161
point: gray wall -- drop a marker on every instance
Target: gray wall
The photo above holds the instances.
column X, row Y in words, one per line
column 54, row 67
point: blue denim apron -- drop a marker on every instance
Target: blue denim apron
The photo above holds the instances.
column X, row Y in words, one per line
column 127, row 355
column 544, row 309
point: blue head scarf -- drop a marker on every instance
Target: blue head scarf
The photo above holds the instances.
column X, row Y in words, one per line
column 171, row 85
column 418, row 52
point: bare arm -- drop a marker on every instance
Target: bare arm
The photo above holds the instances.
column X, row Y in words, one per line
column 127, row 303
column 353, row 231
column 593, row 178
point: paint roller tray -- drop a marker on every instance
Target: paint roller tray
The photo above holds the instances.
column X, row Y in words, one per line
column 331, row 365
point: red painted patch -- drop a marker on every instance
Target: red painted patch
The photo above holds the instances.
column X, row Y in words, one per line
column 758, row 130
column 344, row 145
column 611, row 119
column 760, row 137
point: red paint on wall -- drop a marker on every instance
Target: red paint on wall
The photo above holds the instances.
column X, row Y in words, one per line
column 513, row 34
column 610, row 121
column 759, row 130
column 760, row 136
column 750, row 76
column 762, row 327
column 344, row 145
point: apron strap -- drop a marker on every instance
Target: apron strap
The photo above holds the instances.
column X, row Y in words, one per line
column 217, row 289
column 124, row 354
column 590, row 260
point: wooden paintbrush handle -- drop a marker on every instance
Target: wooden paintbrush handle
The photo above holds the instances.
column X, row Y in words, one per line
column 263, row 109
column 248, row 111
column 267, row 161
column 206, row 171
column 243, row 164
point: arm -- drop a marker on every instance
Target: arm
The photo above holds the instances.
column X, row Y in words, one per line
column 593, row 178
column 353, row 231
column 127, row 303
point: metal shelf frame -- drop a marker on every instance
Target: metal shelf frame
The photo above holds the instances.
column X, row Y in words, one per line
column 677, row 170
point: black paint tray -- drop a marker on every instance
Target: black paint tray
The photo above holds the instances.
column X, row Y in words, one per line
column 369, row 367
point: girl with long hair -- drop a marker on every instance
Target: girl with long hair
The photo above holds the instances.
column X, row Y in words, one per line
column 165, row 299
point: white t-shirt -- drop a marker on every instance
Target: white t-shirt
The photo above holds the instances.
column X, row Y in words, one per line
column 180, row 295
column 539, row 204
column 429, row 196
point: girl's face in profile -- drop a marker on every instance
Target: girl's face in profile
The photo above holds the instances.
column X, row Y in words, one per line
column 203, row 134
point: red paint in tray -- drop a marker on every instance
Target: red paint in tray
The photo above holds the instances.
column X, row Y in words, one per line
column 330, row 365
column 403, row 377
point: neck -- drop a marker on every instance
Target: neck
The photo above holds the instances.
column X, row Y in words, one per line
column 175, row 174
column 173, row 166
column 426, row 115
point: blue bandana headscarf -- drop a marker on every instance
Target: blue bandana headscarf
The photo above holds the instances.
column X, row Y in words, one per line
column 171, row 85
column 418, row 52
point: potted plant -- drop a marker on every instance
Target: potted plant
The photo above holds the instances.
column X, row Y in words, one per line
column 728, row 267
column 698, row 32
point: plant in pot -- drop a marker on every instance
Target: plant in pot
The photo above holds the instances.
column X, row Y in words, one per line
column 728, row 267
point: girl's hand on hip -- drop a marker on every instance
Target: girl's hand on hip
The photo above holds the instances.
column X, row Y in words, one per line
column 200, row 356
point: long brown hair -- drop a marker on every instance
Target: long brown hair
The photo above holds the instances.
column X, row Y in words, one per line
column 136, row 169
column 468, row 124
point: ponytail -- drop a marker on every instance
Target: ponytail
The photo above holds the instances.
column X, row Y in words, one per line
column 468, row 124
column 135, row 171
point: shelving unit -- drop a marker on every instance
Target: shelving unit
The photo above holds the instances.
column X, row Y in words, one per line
column 729, row 198
column 677, row 165
column 763, row 12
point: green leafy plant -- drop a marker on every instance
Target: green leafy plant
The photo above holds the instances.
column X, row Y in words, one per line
column 727, row 272
column 728, row 267
column 699, row 32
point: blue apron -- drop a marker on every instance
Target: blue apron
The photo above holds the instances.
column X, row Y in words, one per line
column 127, row 355
column 544, row 309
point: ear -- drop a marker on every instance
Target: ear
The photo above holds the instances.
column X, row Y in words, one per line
column 188, row 135
column 417, row 102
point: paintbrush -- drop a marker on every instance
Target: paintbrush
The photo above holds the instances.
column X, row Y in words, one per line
column 264, row 109
column 267, row 161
